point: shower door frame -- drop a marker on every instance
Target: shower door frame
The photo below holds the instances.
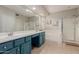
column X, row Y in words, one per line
column 63, row 28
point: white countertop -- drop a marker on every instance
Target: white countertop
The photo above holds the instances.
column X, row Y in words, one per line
column 4, row 36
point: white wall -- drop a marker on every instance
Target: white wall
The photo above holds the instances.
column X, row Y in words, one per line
column 7, row 20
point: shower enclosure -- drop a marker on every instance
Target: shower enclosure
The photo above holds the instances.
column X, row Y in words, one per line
column 70, row 29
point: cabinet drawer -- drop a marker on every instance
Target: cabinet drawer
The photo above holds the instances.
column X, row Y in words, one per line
column 6, row 46
column 13, row 51
column 29, row 48
column 19, row 41
column 28, row 39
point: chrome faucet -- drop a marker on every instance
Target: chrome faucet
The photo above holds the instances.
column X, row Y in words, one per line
column 10, row 33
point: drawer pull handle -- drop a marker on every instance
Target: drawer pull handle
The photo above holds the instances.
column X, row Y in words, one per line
column 1, row 51
column 5, row 47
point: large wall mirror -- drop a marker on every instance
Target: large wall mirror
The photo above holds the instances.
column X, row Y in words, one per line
column 11, row 21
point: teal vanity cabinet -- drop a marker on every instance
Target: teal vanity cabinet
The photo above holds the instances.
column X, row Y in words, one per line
column 24, row 45
column 38, row 39
column 9, row 48
column 26, row 48
column 6, row 46
column 17, row 46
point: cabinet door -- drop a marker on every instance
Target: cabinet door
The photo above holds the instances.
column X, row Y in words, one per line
column 19, row 41
column 26, row 48
column 42, row 38
column 13, row 51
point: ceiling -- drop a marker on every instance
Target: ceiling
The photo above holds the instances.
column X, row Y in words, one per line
column 42, row 10
column 59, row 8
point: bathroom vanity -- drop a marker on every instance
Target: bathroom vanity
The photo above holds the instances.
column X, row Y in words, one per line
column 21, row 42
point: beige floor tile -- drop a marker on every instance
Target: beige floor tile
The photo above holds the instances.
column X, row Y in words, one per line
column 51, row 47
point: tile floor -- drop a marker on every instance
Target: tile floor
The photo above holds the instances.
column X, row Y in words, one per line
column 50, row 47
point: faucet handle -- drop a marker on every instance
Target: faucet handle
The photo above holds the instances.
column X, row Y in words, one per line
column 10, row 34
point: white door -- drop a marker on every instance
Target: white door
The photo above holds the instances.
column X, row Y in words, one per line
column 68, row 28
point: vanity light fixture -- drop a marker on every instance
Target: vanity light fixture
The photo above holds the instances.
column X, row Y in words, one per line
column 34, row 8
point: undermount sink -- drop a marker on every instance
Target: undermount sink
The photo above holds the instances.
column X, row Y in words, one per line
column 1, row 37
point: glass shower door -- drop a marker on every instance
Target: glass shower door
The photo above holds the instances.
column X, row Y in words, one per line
column 68, row 29
column 77, row 29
